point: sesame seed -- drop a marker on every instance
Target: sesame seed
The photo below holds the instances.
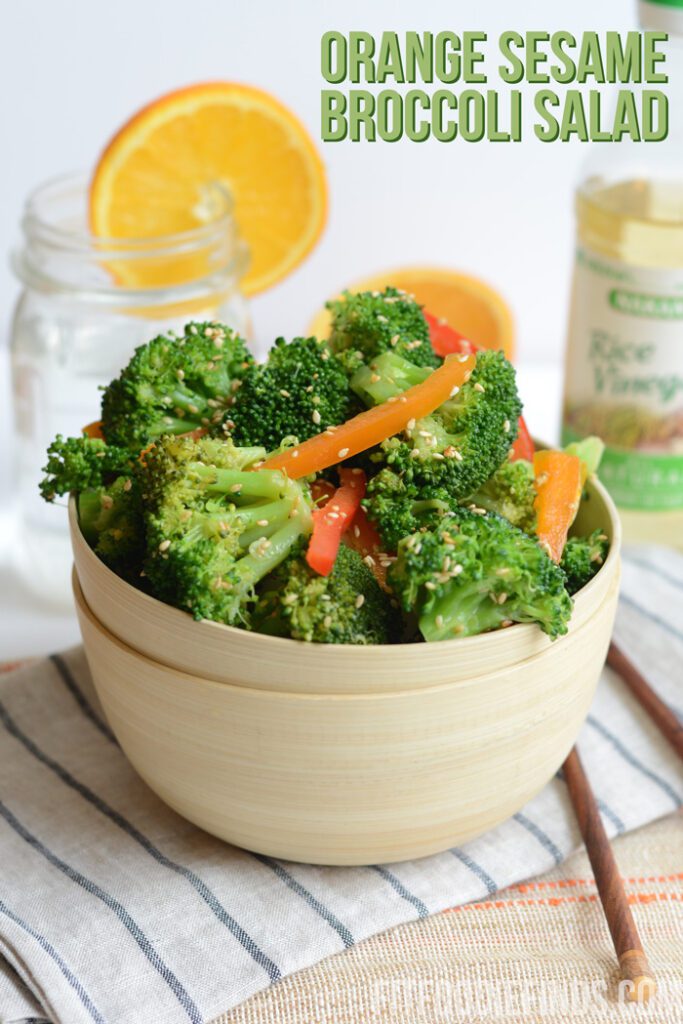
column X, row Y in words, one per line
column 356, row 531
column 295, row 453
column 502, row 598
column 236, row 488
column 127, row 485
column 360, row 601
column 262, row 522
column 462, row 358
column 503, row 571
column 193, row 329
column 430, row 586
column 454, row 391
column 382, row 319
column 343, row 452
column 439, row 621
column 479, row 387
column 289, row 599
column 327, row 621
column 106, row 501
column 316, row 399
column 456, row 570
column 410, row 425
column 415, row 454
column 218, row 341
column 437, row 455
column 285, row 393
column 395, row 340
column 165, row 545
column 369, row 560
column 506, row 426
column 180, row 374
column 315, row 416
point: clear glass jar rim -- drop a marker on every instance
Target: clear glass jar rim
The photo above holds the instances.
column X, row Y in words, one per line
column 40, row 225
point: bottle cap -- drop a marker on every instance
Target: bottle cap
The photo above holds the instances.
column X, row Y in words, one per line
column 661, row 15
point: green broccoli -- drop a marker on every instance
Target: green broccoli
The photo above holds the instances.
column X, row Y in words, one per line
column 174, row 385
column 346, row 607
column 214, row 526
column 300, row 390
column 77, row 463
column 111, row 522
column 376, row 322
column 582, row 557
column 398, row 507
column 511, row 493
column 461, row 444
column 475, row 572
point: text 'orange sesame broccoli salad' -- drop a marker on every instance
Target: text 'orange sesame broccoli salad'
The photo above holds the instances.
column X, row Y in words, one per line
column 378, row 486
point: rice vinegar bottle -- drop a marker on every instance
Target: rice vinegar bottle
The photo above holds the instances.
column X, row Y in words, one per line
column 624, row 361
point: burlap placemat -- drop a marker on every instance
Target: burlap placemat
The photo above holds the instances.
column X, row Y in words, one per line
column 538, row 952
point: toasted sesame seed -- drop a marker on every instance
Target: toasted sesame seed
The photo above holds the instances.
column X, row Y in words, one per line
column 395, row 340
column 343, row 452
column 165, row 545
column 360, row 601
column 127, row 485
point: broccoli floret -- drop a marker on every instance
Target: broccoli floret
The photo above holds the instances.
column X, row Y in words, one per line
column 475, row 572
column 582, row 557
column 461, row 444
column 398, row 507
column 511, row 493
column 173, row 385
column 346, row 607
column 300, row 390
column 214, row 527
column 376, row 322
column 77, row 463
column 111, row 521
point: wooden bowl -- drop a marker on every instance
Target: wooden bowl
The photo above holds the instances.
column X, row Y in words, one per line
column 337, row 754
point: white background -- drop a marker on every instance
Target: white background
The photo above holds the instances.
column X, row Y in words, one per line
column 73, row 70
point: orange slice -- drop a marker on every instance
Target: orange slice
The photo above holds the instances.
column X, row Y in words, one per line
column 469, row 305
column 154, row 176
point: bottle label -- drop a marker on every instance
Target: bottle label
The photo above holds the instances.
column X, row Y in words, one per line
column 624, row 377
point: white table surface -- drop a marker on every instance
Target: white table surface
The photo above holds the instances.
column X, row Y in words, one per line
column 29, row 627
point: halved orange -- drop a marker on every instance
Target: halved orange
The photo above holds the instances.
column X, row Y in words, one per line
column 469, row 305
column 153, row 177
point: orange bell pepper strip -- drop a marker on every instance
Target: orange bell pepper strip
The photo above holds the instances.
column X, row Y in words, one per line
column 364, row 538
column 374, row 425
column 333, row 519
column 446, row 340
column 93, row 430
column 559, row 481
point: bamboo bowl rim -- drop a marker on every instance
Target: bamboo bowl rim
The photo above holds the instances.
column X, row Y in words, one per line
column 363, row 653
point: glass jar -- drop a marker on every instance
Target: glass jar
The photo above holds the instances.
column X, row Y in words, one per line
column 624, row 360
column 87, row 302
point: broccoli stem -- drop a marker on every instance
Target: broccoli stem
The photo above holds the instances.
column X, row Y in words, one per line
column 267, row 483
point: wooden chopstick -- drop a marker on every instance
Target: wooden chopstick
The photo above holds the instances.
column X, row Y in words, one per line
column 661, row 715
column 633, row 964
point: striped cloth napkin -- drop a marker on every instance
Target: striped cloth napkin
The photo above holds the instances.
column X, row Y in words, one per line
column 114, row 909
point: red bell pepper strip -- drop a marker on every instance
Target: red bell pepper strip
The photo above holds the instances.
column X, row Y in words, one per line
column 333, row 519
column 523, row 446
